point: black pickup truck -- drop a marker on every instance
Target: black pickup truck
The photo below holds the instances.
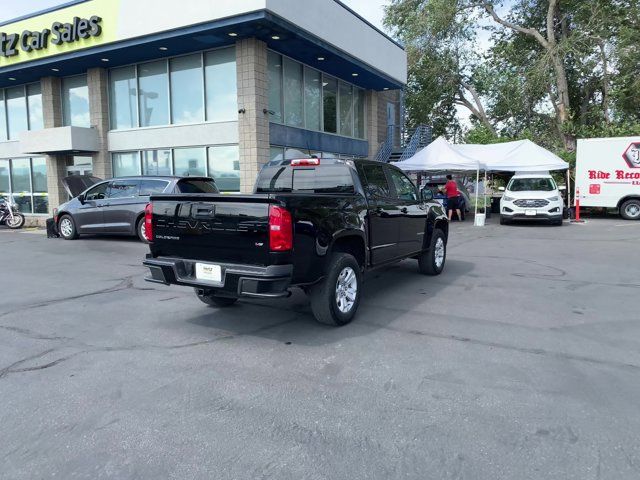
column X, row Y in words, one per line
column 316, row 224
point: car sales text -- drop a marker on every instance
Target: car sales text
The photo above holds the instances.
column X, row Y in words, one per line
column 27, row 41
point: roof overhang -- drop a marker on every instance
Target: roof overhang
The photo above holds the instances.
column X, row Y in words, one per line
column 293, row 37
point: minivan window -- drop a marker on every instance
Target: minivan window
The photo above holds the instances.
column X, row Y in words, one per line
column 123, row 189
column 531, row 185
column 98, row 192
column 196, row 186
column 150, row 187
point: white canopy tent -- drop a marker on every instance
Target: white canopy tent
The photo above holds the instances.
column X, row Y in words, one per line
column 520, row 156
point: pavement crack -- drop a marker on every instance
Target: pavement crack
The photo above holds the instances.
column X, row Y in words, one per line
column 31, row 334
column 10, row 368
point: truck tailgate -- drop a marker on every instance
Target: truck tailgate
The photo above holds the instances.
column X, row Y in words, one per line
column 211, row 227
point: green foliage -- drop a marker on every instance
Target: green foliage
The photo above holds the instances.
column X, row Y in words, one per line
column 512, row 89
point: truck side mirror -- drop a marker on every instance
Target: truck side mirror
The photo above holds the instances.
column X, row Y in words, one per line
column 426, row 194
column 81, row 198
column 501, row 189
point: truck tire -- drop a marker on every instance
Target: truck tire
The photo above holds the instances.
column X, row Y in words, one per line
column 335, row 300
column 214, row 301
column 431, row 262
column 503, row 220
column 630, row 210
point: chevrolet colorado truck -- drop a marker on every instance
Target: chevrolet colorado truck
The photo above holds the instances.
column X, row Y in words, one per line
column 315, row 224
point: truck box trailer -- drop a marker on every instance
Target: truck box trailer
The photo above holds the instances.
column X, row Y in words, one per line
column 608, row 174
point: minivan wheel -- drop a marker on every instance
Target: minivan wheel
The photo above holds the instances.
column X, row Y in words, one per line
column 67, row 228
column 335, row 300
column 140, row 228
column 432, row 261
column 630, row 210
column 213, row 300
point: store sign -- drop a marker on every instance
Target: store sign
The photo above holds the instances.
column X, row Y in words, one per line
column 60, row 33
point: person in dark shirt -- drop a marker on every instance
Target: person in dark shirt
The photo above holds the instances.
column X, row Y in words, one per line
column 453, row 197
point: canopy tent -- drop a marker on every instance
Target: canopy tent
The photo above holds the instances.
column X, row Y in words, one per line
column 520, row 156
column 440, row 155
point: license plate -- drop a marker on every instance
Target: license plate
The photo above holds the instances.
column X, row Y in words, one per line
column 530, row 213
column 209, row 272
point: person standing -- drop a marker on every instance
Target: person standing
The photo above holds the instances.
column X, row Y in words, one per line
column 453, row 197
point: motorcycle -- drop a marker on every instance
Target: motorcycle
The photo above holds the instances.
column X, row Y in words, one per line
column 9, row 214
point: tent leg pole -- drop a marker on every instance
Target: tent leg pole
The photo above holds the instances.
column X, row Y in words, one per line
column 477, row 187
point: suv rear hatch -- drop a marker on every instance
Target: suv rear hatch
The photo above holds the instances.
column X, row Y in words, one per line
column 212, row 227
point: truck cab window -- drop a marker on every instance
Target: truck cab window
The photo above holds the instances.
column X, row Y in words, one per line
column 375, row 184
column 405, row 189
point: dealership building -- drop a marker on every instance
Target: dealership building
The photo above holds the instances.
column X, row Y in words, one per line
column 196, row 87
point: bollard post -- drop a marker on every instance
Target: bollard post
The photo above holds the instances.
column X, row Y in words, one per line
column 577, row 219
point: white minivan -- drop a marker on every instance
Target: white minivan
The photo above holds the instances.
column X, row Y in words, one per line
column 531, row 196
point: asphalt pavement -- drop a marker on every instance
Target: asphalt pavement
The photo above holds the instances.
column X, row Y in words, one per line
column 521, row 361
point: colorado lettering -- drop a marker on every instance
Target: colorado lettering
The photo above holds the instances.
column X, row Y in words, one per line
column 59, row 33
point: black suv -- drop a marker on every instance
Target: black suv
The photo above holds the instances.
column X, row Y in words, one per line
column 117, row 206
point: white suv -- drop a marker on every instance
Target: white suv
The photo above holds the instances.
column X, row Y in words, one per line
column 531, row 196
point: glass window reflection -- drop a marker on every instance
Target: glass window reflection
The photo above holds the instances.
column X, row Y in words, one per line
column 186, row 89
column 156, row 162
column 190, row 161
column 34, row 101
column 224, row 167
column 75, row 101
column 16, row 111
column 152, row 94
column 123, row 93
column 221, row 85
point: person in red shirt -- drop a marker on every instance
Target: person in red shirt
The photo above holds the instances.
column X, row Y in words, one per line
column 453, row 197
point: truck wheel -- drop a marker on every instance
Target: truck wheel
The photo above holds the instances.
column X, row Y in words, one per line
column 432, row 261
column 630, row 210
column 335, row 300
column 214, row 301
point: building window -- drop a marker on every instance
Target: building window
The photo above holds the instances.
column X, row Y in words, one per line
column 5, row 179
column 224, row 167
column 330, row 100
column 24, row 180
column 187, row 89
column 177, row 91
column 125, row 164
column 274, row 67
column 190, row 162
column 16, row 111
column 222, row 162
column 359, row 113
column 312, row 98
column 75, row 102
column 293, row 97
column 221, row 85
column 123, row 96
column 153, row 94
column 346, row 109
column 3, row 118
column 156, row 162
column 325, row 104
column 34, row 104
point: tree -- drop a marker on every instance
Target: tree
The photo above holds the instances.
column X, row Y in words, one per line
column 555, row 68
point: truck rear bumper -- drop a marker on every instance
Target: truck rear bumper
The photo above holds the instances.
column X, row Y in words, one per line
column 237, row 280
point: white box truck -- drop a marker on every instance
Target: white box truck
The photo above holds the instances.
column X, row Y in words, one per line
column 608, row 174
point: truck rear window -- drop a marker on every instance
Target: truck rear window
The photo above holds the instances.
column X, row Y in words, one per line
column 333, row 178
column 196, row 186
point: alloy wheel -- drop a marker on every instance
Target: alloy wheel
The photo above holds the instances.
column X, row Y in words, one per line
column 346, row 290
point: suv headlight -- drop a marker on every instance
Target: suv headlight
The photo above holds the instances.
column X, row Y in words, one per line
column 553, row 199
column 507, row 198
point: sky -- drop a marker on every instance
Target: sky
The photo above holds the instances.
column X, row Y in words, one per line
column 372, row 10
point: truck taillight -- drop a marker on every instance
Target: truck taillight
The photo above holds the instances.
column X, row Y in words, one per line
column 148, row 222
column 305, row 162
column 280, row 229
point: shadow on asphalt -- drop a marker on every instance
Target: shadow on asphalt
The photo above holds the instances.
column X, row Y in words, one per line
column 291, row 320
